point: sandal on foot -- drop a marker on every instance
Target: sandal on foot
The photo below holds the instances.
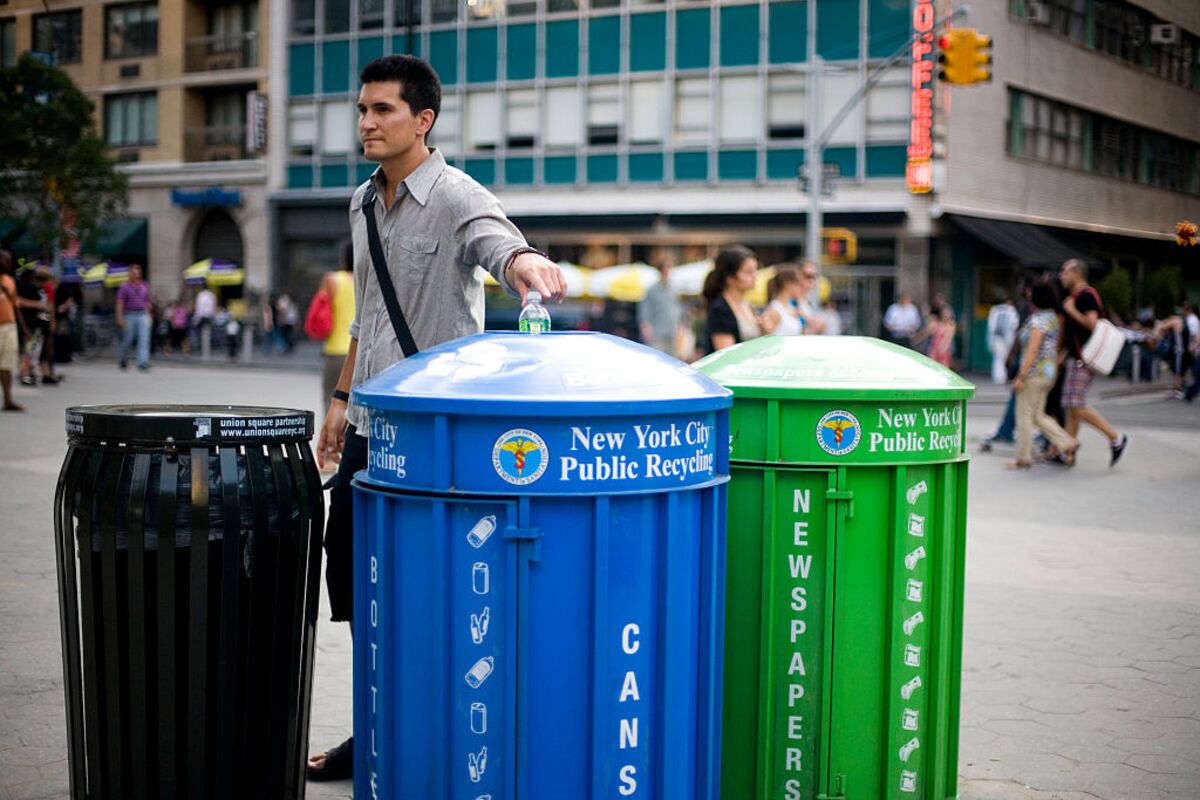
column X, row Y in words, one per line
column 338, row 764
column 1017, row 465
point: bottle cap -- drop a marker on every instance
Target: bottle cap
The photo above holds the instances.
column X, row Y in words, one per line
column 533, row 296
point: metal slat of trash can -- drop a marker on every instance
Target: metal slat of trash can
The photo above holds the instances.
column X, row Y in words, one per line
column 538, row 601
column 187, row 662
column 847, row 525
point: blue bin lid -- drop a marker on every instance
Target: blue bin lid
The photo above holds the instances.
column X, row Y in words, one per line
column 555, row 374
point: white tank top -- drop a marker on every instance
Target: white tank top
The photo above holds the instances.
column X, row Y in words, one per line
column 789, row 323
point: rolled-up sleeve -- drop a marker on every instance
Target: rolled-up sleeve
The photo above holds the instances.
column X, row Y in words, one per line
column 486, row 236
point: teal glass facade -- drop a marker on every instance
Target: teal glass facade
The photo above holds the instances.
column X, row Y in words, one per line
column 637, row 94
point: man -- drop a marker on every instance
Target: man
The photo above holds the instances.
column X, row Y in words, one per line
column 1002, row 325
column 1192, row 325
column 660, row 313
column 436, row 225
column 36, row 305
column 813, row 321
column 133, row 318
column 902, row 320
column 10, row 345
column 1081, row 312
column 203, row 314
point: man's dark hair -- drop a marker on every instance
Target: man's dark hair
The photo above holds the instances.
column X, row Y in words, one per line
column 419, row 84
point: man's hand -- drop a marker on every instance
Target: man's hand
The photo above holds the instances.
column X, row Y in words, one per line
column 333, row 434
column 532, row 271
column 1069, row 305
column 120, row 323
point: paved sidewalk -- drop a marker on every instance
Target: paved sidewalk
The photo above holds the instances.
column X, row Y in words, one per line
column 1082, row 652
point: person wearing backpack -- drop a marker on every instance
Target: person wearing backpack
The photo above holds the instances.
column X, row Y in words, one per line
column 1081, row 312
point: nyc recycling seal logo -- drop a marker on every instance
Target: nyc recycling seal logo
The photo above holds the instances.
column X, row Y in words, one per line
column 520, row 456
column 838, row 432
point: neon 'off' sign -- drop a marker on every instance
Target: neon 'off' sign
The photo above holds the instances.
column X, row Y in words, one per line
column 919, row 173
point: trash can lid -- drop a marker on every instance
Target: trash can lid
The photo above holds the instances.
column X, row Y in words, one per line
column 831, row 367
column 200, row 425
column 555, row 374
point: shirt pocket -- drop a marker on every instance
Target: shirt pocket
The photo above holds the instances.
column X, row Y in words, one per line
column 415, row 254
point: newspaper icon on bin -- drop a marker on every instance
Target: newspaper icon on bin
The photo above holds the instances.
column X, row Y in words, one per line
column 906, row 749
column 916, row 525
column 912, row 559
column 908, row 689
column 912, row 622
column 915, row 491
column 908, row 781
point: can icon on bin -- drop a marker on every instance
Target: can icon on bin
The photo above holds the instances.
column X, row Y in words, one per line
column 478, row 718
column 480, row 578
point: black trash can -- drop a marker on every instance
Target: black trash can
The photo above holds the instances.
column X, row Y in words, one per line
column 188, row 544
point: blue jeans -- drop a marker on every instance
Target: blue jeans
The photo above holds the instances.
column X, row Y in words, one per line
column 137, row 323
column 1008, row 425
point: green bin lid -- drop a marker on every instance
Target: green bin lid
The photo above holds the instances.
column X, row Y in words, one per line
column 831, row 368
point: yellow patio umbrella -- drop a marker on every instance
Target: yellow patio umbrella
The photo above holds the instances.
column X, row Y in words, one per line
column 214, row 272
column 108, row 274
column 626, row 282
column 758, row 295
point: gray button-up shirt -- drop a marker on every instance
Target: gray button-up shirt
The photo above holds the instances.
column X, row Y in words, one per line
column 441, row 229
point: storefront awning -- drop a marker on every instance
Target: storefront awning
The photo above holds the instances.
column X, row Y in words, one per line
column 1029, row 245
column 122, row 237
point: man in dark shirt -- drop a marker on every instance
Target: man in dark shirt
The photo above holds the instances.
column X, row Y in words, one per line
column 1081, row 311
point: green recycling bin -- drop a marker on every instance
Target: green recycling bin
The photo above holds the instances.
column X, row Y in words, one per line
column 844, row 570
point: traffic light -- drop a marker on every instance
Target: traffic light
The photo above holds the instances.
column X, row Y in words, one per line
column 964, row 56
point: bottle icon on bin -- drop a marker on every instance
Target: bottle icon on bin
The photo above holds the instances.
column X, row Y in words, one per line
column 480, row 672
column 482, row 531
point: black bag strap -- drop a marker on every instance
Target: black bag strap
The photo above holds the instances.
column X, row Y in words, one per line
column 399, row 323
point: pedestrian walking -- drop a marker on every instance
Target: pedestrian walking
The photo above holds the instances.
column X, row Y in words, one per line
column 432, row 226
column 1081, row 310
column 938, row 335
column 36, row 307
column 1039, row 338
column 1192, row 323
column 203, row 315
column 10, row 341
column 133, row 319
column 902, row 320
column 731, row 319
column 660, row 313
column 1002, row 325
column 286, row 317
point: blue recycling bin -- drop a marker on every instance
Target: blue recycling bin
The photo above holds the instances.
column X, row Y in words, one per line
column 539, row 567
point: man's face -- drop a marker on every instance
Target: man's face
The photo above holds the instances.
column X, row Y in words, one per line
column 387, row 127
column 135, row 273
column 1069, row 278
column 905, row 299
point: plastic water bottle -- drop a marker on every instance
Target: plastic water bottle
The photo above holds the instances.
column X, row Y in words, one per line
column 534, row 317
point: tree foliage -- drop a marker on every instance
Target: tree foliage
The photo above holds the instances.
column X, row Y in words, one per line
column 1116, row 290
column 58, row 177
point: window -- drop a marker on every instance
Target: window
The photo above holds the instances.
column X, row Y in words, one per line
column 604, row 113
column 131, row 120
column 564, row 116
column 483, row 112
column 304, row 17
column 370, row 14
column 337, row 16
column 131, row 30
column 408, row 12
column 786, row 106
column 741, row 108
column 302, row 129
column 61, row 35
column 1119, row 29
column 522, row 118
column 889, row 108
column 445, row 135
column 1055, row 133
column 338, row 128
column 443, row 10
column 646, row 112
column 693, row 111
column 8, row 42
